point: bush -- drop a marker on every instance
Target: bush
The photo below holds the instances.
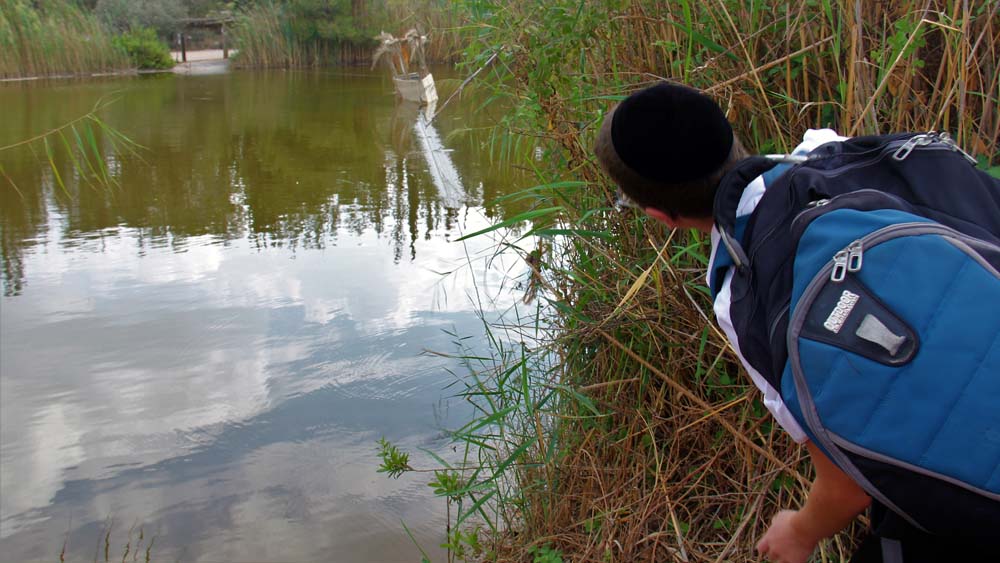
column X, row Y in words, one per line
column 145, row 49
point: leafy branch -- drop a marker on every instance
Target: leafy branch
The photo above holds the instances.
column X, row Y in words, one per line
column 394, row 461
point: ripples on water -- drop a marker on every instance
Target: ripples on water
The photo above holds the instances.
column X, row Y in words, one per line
column 212, row 349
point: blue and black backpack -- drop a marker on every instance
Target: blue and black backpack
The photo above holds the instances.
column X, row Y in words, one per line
column 867, row 291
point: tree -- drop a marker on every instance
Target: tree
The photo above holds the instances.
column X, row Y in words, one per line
column 203, row 8
column 162, row 15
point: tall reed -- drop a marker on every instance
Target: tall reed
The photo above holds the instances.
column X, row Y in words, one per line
column 273, row 35
column 439, row 19
column 53, row 37
column 613, row 422
column 263, row 37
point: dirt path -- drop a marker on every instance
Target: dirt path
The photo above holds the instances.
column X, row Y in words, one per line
column 208, row 61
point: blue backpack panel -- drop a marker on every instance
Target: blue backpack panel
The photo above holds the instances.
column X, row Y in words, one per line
column 867, row 291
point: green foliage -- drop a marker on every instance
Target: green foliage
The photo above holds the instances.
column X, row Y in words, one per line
column 203, row 8
column 263, row 38
column 464, row 545
column 328, row 21
column 545, row 554
column 123, row 15
column 984, row 163
column 447, row 484
column 144, row 49
column 295, row 33
column 905, row 41
column 394, row 461
column 298, row 33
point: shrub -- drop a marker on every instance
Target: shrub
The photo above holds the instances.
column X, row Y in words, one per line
column 145, row 49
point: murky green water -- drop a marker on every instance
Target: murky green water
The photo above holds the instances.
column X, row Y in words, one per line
column 211, row 350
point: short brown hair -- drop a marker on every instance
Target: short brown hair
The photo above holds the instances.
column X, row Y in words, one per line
column 689, row 199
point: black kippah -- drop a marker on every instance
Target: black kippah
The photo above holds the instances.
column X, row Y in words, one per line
column 671, row 133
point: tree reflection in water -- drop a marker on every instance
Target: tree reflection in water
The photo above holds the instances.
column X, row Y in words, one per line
column 284, row 159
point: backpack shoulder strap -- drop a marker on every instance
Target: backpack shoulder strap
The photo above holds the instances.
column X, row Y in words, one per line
column 727, row 200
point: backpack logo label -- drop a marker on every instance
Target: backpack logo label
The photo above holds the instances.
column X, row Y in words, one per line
column 840, row 313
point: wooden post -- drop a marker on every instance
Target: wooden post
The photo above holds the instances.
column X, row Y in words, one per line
column 184, row 53
column 225, row 49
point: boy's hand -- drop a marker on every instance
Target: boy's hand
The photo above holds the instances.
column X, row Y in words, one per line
column 834, row 500
column 784, row 542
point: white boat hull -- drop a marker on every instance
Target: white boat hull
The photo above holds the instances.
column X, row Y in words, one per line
column 416, row 89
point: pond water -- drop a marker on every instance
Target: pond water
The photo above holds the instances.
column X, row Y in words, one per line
column 210, row 350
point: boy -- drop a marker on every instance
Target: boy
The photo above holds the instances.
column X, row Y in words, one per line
column 667, row 147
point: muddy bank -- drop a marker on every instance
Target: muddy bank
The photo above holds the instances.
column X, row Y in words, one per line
column 130, row 72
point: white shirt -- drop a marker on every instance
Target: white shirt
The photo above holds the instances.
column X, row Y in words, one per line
column 748, row 202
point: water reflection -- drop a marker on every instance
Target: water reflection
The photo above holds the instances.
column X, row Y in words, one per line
column 212, row 348
column 283, row 159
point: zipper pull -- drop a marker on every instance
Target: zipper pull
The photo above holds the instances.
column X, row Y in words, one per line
column 855, row 255
column 839, row 272
column 947, row 140
column 847, row 260
column 817, row 203
column 913, row 142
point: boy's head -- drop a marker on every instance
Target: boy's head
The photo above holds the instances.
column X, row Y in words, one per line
column 667, row 147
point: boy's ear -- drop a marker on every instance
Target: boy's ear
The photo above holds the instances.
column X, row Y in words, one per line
column 661, row 216
column 703, row 224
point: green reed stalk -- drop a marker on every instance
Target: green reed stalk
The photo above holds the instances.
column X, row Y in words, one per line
column 263, row 40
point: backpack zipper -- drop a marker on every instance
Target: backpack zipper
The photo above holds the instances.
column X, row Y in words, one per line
column 812, row 211
column 865, row 199
column 899, row 149
column 850, row 258
column 926, row 139
column 847, row 260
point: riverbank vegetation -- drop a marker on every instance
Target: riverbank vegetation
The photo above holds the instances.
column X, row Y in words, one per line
column 144, row 49
column 65, row 37
column 81, row 37
column 54, row 37
column 613, row 421
column 313, row 33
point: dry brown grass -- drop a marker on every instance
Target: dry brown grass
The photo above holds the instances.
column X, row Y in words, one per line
column 677, row 469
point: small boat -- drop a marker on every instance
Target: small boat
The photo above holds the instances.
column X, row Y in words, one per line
column 400, row 54
column 414, row 88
